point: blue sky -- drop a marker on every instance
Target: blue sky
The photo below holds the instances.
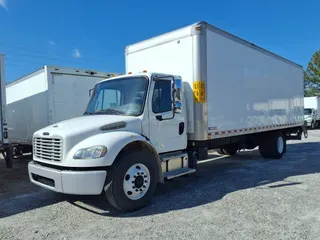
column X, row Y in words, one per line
column 93, row 34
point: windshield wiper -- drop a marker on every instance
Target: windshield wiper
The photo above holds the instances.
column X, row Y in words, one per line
column 108, row 110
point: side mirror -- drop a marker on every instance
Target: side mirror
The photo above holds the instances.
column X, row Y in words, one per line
column 177, row 96
column 90, row 92
column 159, row 117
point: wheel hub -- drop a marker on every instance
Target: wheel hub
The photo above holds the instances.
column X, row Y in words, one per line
column 136, row 181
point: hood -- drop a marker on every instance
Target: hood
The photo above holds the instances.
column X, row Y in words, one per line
column 307, row 116
column 76, row 129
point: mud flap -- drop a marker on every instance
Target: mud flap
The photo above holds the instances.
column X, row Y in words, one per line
column 7, row 153
column 305, row 131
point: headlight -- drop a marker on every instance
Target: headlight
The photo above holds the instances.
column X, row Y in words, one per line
column 91, row 152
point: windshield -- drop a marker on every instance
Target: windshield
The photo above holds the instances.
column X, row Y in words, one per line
column 123, row 96
column 307, row 111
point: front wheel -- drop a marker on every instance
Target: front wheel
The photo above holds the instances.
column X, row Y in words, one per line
column 132, row 182
column 313, row 125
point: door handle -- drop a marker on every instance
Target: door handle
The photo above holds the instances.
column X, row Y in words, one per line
column 181, row 128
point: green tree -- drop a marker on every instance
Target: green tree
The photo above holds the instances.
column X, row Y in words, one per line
column 312, row 76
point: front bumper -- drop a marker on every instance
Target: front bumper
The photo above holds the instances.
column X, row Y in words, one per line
column 308, row 121
column 69, row 182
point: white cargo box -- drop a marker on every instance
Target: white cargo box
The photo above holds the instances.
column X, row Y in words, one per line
column 232, row 86
column 47, row 96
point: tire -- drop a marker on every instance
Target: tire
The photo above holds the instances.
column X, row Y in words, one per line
column 220, row 151
column 274, row 146
column 230, row 150
column 313, row 125
column 134, row 174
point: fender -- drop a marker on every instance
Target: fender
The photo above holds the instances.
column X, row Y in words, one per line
column 115, row 141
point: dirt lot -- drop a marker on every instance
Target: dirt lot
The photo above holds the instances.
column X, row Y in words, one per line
column 243, row 197
column 15, row 181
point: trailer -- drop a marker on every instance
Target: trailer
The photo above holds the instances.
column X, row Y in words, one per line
column 312, row 111
column 46, row 96
column 5, row 147
column 185, row 92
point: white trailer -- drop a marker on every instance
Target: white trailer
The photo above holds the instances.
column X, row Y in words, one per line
column 194, row 89
column 5, row 148
column 46, row 96
column 312, row 111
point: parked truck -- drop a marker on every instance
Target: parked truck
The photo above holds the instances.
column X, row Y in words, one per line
column 44, row 97
column 312, row 111
column 185, row 92
column 5, row 147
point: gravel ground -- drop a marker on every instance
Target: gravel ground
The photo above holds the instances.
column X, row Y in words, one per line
column 243, row 197
column 15, row 181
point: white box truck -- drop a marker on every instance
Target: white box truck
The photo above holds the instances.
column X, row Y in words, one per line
column 194, row 89
column 5, row 147
column 46, row 96
column 312, row 111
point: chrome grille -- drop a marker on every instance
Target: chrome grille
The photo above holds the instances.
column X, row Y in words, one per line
column 49, row 149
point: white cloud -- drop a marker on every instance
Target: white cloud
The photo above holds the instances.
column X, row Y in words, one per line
column 51, row 42
column 3, row 3
column 76, row 53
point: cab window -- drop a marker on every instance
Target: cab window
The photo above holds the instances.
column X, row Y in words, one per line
column 162, row 99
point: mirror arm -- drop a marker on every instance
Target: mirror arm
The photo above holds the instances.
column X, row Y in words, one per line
column 90, row 92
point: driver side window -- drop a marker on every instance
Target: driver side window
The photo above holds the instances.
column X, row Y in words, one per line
column 162, row 99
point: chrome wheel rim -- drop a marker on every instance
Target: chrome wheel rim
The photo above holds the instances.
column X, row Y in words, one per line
column 136, row 181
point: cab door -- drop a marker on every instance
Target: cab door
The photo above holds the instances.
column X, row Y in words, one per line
column 167, row 119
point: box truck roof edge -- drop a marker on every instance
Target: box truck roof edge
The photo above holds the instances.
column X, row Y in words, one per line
column 190, row 30
column 65, row 70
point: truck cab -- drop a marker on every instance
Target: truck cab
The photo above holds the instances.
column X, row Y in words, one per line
column 310, row 116
column 131, row 136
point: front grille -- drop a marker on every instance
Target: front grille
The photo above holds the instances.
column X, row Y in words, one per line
column 49, row 149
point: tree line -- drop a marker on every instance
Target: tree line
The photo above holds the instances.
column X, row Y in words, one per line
column 312, row 76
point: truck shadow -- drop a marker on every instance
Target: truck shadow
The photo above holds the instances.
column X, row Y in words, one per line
column 217, row 177
column 220, row 176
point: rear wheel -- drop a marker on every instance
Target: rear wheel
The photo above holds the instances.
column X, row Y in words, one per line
column 274, row 146
column 230, row 149
column 132, row 182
